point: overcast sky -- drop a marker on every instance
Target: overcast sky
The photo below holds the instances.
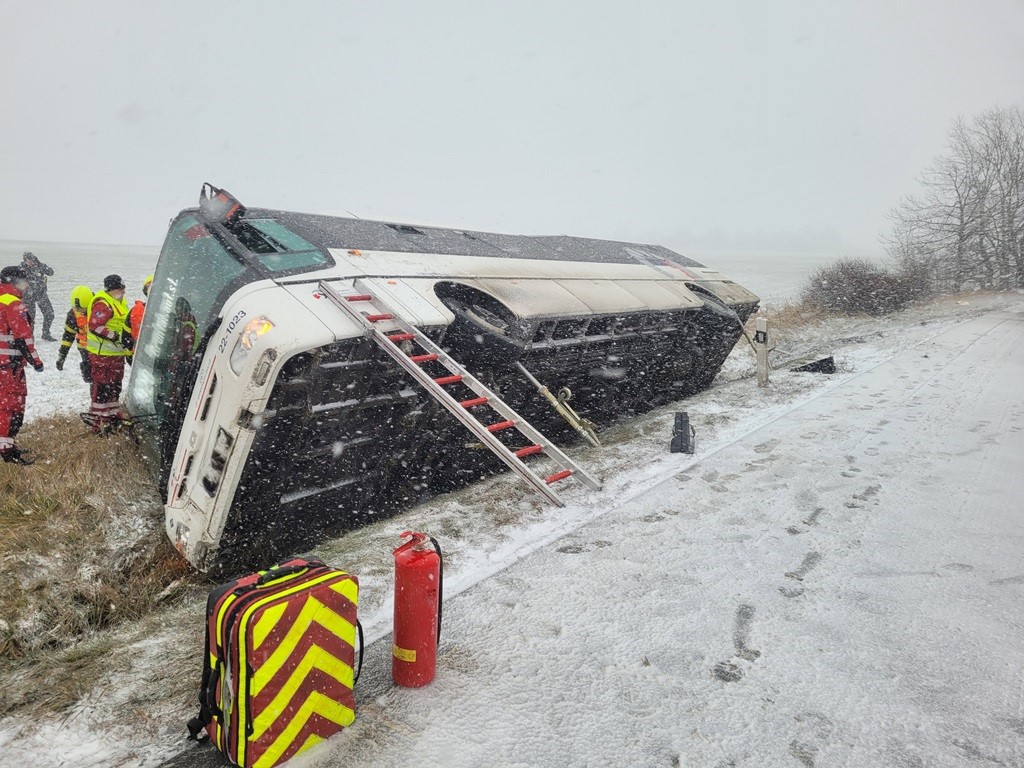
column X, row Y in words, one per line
column 789, row 125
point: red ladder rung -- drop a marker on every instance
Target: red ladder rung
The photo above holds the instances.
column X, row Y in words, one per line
column 359, row 297
column 378, row 318
column 473, row 401
column 401, row 337
column 557, row 476
column 529, row 450
column 500, row 426
column 423, row 358
column 447, row 379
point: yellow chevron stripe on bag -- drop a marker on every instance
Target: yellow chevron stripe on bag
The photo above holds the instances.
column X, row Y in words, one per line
column 315, row 704
column 316, row 658
column 267, row 623
column 312, row 611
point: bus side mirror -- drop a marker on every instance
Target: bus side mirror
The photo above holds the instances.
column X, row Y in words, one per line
column 219, row 206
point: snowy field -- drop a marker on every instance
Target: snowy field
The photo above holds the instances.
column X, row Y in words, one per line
column 73, row 264
column 776, row 277
column 833, row 579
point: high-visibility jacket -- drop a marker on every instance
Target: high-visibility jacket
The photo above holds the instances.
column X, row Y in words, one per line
column 76, row 328
column 15, row 330
column 82, row 325
column 104, row 336
column 135, row 317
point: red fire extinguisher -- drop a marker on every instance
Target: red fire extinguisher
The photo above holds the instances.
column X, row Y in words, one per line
column 418, row 594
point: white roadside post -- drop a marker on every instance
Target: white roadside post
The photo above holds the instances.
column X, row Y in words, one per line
column 761, row 347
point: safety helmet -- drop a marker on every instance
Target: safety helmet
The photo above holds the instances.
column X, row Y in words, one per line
column 81, row 298
column 146, row 285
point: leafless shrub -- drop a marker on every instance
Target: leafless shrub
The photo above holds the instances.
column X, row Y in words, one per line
column 857, row 286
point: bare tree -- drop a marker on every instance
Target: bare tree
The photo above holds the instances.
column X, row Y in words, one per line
column 965, row 229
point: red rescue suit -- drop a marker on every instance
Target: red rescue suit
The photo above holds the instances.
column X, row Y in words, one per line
column 107, row 321
column 16, row 347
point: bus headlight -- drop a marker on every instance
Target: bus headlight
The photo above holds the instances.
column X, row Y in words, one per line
column 180, row 537
column 247, row 340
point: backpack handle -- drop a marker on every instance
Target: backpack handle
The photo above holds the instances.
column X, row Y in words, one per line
column 279, row 573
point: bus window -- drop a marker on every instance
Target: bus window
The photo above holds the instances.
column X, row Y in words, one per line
column 277, row 247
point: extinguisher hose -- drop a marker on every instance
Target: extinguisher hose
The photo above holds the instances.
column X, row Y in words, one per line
column 359, row 668
column 440, row 584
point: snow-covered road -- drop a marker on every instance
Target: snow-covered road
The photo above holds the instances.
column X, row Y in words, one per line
column 858, row 603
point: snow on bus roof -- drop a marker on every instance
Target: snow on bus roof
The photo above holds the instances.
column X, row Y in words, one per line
column 342, row 232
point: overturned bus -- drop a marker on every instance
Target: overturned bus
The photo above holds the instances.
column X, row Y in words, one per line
column 272, row 416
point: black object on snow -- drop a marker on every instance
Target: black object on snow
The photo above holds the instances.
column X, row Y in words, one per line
column 682, row 434
column 825, row 365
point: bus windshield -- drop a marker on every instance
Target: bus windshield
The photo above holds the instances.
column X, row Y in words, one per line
column 189, row 288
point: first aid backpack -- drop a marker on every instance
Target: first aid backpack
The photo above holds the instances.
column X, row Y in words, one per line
column 280, row 662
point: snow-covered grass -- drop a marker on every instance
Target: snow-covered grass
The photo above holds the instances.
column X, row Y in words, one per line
column 83, row 550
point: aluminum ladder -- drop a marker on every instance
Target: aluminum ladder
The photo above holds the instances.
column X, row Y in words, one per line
column 389, row 330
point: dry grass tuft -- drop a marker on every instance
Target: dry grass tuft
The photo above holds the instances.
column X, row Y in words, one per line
column 51, row 681
column 82, row 545
column 791, row 317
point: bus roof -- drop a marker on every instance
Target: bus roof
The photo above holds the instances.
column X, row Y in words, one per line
column 344, row 233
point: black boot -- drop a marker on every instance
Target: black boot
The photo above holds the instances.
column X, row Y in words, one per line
column 16, row 456
column 47, row 336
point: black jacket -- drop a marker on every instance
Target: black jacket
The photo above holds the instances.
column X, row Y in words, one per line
column 37, row 273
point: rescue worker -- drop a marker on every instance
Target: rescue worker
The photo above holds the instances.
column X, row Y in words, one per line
column 16, row 348
column 76, row 328
column 139, row 310
column 37, row 273
column 109, row 342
